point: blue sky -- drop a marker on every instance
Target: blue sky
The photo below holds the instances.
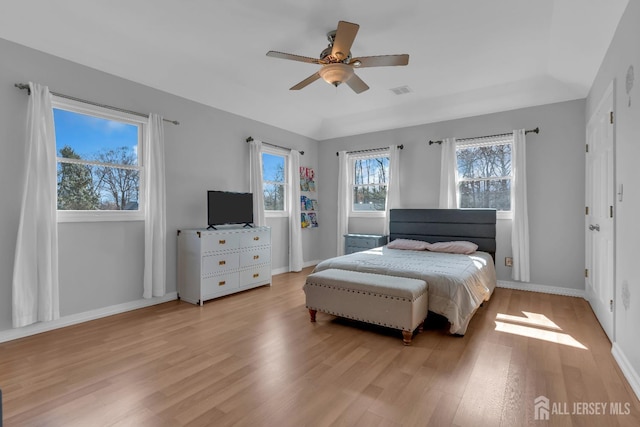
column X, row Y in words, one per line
column 269, row 165
column 89, row 135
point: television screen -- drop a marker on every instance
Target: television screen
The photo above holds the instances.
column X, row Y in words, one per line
column 225, row 207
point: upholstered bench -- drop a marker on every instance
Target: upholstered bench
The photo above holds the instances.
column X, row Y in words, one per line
column 394, row 302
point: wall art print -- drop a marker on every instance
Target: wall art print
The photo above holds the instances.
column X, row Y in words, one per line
column 308, row 200
column 309, row 219
column 307, row 179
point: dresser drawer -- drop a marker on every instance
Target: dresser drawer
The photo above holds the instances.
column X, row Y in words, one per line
column 360, row 242
column 258, row 274
column 219, row 284
column 219, row 242
column 255, row 256
column 255, row 238
column 352, row 249
column 219, row 262
column 367, row 243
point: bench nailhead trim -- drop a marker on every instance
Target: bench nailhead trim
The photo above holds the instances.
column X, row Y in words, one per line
column 322, row 285
column 348, row 316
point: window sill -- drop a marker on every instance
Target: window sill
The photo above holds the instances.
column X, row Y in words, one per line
column 376, row 214
column 504, row 215
column 278, row 214
column 79, row 216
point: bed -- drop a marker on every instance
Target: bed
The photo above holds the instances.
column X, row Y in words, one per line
column 457, row 284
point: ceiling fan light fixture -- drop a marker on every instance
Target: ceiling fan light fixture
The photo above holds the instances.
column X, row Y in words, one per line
column 337, row 63
column 335, row 74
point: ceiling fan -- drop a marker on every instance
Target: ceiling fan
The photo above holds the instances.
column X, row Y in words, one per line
column 338, row 64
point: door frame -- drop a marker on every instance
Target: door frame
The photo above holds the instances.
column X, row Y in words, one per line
column 609, row 91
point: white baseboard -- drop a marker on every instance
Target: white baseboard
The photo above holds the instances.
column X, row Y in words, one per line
column 627, row 369
column 545, row 289
column 37, row 328
column 286, row 269
column 280, row 270
column 310, row 263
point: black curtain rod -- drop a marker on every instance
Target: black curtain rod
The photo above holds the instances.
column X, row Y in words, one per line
column 23, row 86
column 400, row 147
column 536, row 130
column 249, row 139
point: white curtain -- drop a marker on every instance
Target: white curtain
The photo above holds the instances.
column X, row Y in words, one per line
column 255, row 177
column 155, row 223
column 35, row 268
column 393, row 186
column 448, row 175
column 343, row 200
column 520, row 222
column 295, row 227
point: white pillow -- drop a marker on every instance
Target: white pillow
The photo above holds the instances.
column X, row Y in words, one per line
column 413, row 245
column 456, row 247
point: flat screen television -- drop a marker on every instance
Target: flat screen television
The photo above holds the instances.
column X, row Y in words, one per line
column 226, row 207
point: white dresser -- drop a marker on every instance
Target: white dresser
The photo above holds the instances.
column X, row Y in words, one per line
column 214, row 263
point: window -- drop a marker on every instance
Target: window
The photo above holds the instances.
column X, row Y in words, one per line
column 369, row 183
column 274, row 181
column 100, row 175
column 484, row 173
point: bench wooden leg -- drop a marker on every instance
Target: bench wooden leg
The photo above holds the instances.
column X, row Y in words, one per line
column 421, row 327
column 407, row 336
column 312, row 314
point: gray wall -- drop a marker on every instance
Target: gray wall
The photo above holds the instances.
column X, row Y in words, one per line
column 555, row 179
column 101, row 263
column 622, row 53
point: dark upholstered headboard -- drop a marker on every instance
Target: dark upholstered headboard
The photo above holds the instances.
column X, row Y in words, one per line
column 443, row 225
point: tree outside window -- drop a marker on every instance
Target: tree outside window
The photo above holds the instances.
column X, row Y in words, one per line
column 98, row 166
column 484, row 175
column 274, row 182
column 369, row 189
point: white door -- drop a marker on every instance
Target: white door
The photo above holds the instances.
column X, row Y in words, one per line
column 599, row 219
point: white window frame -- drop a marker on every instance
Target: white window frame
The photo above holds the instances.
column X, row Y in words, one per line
column 352, row 164
column 287, row 182
column 99, row 215
column 485, row 142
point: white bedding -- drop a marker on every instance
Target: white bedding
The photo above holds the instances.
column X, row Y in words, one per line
column 457, row 284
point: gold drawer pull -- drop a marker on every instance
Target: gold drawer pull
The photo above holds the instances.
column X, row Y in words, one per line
column 256, row 256
column 256, row 238
column 223, row 262
column 222, row 242
column 222, row 283
column 256, row 275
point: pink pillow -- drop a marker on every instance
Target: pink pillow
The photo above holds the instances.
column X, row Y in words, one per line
column 413, row 245
column 457, row 247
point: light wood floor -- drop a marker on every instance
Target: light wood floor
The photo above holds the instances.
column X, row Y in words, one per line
column 254, row 359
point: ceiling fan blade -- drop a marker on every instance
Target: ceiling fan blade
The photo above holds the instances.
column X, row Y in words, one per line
column 345, row 35
column 312, row 78
column 292, row 57
column 357, row 84
column 380, row 61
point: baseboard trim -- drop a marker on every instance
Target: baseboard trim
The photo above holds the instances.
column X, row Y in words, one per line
column 37, row 328
column 545, row 289
column 282, row 270
column 627, row 369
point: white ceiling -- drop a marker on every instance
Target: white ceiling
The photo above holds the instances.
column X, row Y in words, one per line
column 467, row 57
